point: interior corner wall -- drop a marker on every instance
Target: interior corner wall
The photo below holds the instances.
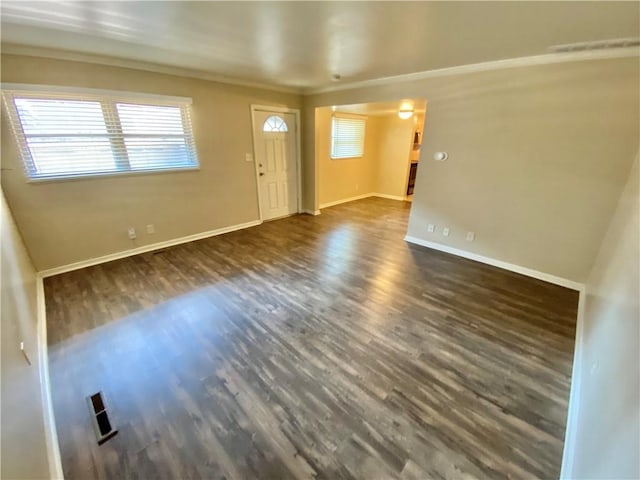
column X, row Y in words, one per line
column 538, row 156
column 608, row 399
column 23, row 445
column 64, row 222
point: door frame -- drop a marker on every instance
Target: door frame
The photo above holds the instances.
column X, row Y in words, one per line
column 270, row 108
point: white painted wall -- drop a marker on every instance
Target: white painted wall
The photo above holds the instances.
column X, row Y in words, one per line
column 606, row 391
column 23, row 451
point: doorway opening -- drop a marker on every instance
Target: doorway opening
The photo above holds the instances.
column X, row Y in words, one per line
column 370, row 149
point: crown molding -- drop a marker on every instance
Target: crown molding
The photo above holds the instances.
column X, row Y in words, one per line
column 57, row 54
column 545, row 59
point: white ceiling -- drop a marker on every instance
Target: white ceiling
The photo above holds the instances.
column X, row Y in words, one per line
column 303, row 44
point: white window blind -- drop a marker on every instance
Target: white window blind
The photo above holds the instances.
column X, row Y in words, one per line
column 69, row 135
column 347, row 137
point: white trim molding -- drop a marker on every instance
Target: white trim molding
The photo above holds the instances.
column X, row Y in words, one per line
column 311, row 212
column 573, row 410
column 72, row 56
column 390, row 197
column 345, row 200
column 51, row 435
column 545, row 59
column 546, row 277
column 145, row 248
column 360, row 197
column 50, row 431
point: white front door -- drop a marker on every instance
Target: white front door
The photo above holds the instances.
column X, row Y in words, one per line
column 275, row 146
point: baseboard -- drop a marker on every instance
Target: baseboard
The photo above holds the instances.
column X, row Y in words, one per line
column 345, row 200
column 573, row 411
column 390, row 197
column 311, row 212
column 360, row 197
column 145, row 248
column 50, row 432
column 547, row 277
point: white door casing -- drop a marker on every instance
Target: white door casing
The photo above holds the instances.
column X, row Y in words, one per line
column 275, row 146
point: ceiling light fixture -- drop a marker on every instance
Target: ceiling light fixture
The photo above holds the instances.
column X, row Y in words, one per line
column 406, row 109
column 405, row 113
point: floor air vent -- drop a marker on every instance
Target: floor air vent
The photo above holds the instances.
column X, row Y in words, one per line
column 101, row 423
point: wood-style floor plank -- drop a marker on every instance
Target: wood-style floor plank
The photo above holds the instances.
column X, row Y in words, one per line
column 311, row 347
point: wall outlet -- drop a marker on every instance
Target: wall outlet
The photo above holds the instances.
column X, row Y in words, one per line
column 445, row 231
column 151, row 228
column 248, row 157
column 357, row 187
column 431, row 228
column 471, row 236
column 132, row 233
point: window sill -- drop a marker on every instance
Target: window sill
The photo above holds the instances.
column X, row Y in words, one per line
column 94, row 176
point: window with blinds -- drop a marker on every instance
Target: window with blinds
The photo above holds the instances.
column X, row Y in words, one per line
column 64, row 135
column 347, row 137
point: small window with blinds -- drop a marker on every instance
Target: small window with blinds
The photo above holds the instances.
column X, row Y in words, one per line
column 347, row 137
column 64, row 135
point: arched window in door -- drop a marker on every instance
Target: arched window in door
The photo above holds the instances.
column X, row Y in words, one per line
column 275, row 124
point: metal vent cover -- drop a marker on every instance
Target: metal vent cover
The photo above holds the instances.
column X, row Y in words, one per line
column 100, row 417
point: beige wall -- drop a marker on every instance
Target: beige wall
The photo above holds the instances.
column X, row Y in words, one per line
column 394, row 150
column 345, row 177
column 608, row 399
column 68, row 221
column 538, row 156
column 24, row 452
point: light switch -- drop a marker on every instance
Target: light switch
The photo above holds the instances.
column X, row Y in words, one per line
column 431, row 228
column 445, row 231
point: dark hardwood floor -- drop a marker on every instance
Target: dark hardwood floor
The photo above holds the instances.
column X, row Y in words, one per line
column 311, row 347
